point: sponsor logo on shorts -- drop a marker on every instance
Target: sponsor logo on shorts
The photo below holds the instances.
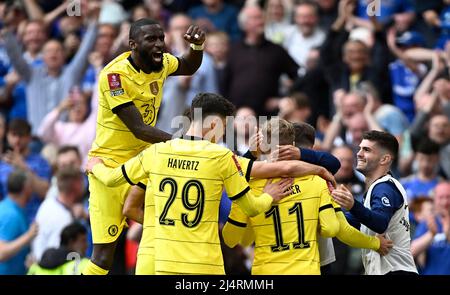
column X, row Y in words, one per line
column 113, row 230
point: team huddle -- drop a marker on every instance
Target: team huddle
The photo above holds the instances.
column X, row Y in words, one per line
column 288, row 209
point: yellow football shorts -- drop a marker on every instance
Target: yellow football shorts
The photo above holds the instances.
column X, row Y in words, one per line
column 105, row 210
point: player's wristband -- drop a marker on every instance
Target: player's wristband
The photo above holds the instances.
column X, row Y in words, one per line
column 197, row 47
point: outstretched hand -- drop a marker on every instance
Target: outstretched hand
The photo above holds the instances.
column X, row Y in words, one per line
column 195, row 35
column 343, row 197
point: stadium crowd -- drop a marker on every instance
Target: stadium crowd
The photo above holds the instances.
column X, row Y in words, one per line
column 345, row 67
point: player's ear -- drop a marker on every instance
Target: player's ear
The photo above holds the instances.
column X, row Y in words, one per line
column 213, row 124
column 132, row 44
column 386, row 159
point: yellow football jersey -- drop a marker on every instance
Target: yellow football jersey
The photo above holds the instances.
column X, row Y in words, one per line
column 286, row 235
column 187, row 178
column 122, row 83
column 146, row 245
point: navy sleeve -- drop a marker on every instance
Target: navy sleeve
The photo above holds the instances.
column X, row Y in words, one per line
column 352, row 220
column 249, row 155
column 324, row 159
column 386, row 199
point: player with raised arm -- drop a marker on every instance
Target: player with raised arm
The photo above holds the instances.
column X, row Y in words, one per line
column 130, row 91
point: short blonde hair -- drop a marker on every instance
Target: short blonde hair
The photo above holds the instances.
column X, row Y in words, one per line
column 280, row 127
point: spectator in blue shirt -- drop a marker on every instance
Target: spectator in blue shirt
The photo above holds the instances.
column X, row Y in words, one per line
column 214, row 15
column 431, row 245
column 423, row 182
column 445, row 28
column 15, row 232
column 18, row 155
column 405, row 74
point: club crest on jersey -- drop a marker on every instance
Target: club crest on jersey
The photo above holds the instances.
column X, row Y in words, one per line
column 154, row 88
column 385, row 201
column 238, row 166
column 113, row 230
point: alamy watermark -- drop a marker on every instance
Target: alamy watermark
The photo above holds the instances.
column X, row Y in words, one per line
column 74, row 8
column 373, row 8
column 77, row 258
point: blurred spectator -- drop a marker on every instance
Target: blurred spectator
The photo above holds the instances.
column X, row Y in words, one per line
column 438, row 130
column 244, row 127
column 444, row 24
column 305, row 34
column 215, row 15
column 218, row 45
column 312, row 83
column 405, row 74
column 134, row 235
column 313, row 59
column 138, row 12
column 19, row 155
column 14, row 95
column 255, row 65
column 431, row 245
column 278, row 20
column 58, row 261
column 423, row 182
column 71, row 45
column 421, row 210
column 295, row 108
column 158, row 12
column 101, row 56
column 67, row 157
column 328, row 10
column 388, row 116
column 112, row 12
column 179, row 91
column 349, row 59
column 15, row 232
column 49, row 83
column 204, row 80
column 2, row 134
column 55, row 214
column 354, row 115
column 33, row 40
column 13, row 14
column 78, row 130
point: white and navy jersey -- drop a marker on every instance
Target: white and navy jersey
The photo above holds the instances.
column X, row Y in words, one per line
column 386, row 208
column 326, row 250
